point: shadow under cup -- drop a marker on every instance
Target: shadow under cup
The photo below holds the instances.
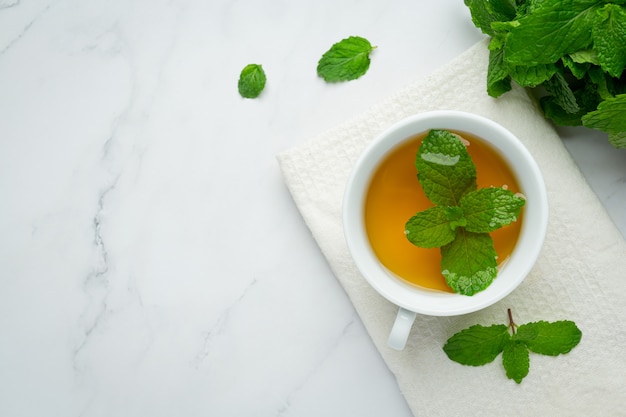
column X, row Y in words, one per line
column 409, row 298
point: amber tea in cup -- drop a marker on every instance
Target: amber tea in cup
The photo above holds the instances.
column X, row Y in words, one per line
column 394, row 195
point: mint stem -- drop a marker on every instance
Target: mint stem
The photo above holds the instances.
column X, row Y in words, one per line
column 511, row 322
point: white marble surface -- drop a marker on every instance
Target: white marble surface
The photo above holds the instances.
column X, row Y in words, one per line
column 152, row 261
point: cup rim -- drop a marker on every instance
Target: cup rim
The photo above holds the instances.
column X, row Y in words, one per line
column 532, row 233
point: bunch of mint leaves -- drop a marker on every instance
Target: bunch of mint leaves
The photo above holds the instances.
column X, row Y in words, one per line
column 463, row 216
column 479, row 345
column 574, row 49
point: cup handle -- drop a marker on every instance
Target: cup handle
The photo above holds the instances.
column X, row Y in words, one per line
column 401, row 328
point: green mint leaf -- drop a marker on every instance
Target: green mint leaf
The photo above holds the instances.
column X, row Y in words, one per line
column 445, row 169
column 618, row 140
column 504, row 9
column 346, row 60
column 489, row 209
column 477, row 345
column 468, row 263
column 586, row 56
column 430, row 228
column 484, row 13
column 532, row 76
column 553, row 111
column 516, row 360
column 609, row 117
column 616, row 86
column 577, row 69
column 251, row 81
column 553, row 29
column 498, row 78
column 587, row 98
column 609, row 38
column 455, row 216
column 562, row 93
column 525, row 7
column 550, row 338
column 600, row 80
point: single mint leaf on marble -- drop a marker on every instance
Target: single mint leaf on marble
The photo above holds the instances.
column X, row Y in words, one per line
column 445, row 169
column 430, row 228
column 468, row 263
column 551, row 339
column 251, row 81
column 516, row 360
column 477, row 345
column 346, row 60
column 489, row 209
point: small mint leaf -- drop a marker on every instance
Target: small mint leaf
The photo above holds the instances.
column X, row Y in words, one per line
column 550, row 338
column 516, row 360
column 346, row 60
column 489, row 209
column 430, row 228
column 445, row 169
column 455, row 216
column 251, row 81
column 477, row 345
column 498, row 78
column 468, row 263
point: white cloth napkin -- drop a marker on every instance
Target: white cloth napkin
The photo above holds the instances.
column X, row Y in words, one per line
column 580, row 274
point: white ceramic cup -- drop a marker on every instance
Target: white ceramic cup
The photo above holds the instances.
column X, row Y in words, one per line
column 409, row 298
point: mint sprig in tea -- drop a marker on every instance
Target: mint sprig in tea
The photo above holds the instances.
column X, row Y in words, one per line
column 450, row 226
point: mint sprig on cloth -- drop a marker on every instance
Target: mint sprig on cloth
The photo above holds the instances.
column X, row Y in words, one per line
column 479, row 345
